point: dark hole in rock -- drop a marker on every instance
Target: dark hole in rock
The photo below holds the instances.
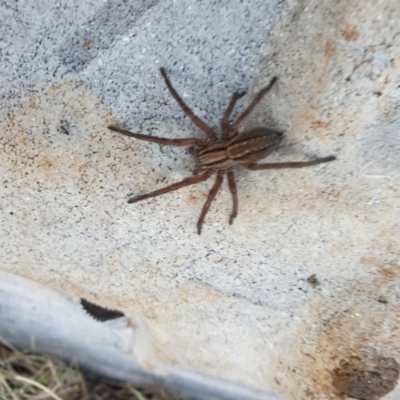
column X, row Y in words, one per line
column 368, row 379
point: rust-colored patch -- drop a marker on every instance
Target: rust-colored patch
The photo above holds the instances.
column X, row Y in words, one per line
column 129, row 323
column 356, row 336
column 329, row 49
column 377, row 25
column 341, row 340
column 22, row 141
column 113, row 267
column 349, row 32
column 303, row 115
column 83, row 167
column 320, row 125
column 336, row 194
column 46, row 164
column 366, row 379
column 383, row 268
column 192, row 199
column 387, row 272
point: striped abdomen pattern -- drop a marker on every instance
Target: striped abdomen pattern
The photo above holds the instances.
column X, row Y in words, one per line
column 244, row 148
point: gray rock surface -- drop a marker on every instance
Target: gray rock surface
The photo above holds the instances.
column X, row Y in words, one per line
column 235, row 302
column 56, row 323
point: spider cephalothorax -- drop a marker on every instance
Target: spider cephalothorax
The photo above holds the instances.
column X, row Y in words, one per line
column 218, row 155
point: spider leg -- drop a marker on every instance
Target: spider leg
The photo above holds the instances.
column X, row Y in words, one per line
column 210, row 198
column 186, row 182
column 195, row 119
column 256, row 99
column 300, row 164
column 232, row 188
column 225, row 119
column 157, row 139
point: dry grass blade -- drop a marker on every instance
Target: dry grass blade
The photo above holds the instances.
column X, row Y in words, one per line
column 38, row 385
column 27, row 375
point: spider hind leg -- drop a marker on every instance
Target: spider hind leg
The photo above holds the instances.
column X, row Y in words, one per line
column 210, row 198
column 175, row 186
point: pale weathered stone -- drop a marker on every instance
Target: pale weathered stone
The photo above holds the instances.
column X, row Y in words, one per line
column 234, row 302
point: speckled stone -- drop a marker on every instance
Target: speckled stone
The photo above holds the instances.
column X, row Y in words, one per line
column 235, row 302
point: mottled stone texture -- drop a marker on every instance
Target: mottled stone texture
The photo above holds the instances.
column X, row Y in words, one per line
column 234, row 302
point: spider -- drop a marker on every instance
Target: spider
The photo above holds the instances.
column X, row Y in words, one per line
column 218, row 155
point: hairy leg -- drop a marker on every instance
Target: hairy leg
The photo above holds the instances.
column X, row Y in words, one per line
column 195, row 119
column 225, row 119
column 232, row 188
column 157, row 139
column 186, row 182
column 256, row 99
column 209, row 200
column 300, row 164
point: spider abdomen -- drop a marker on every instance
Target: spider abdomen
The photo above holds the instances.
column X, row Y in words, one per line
column 253, row 145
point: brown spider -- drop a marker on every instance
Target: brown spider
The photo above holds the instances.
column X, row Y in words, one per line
column 219, row 155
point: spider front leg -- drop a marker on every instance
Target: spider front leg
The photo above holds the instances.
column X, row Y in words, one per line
column 225, row 119
column 195, row 119
column 157, row 139
column 210, row 198
column 256, row 99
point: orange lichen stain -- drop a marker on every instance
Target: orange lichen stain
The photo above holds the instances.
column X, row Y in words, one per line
column 387, row 272
column 376, row 24
column 340, row 338
column 329, row 49
column 129, row 147
column 302, row 115
column 383, row 268
column 359, row 323
column 192, row 199
column 55, row 86
column 130, row 324
column 113, row 267
column 46, row 164
column 320, row 125
column 83, row 167
column 22, row 141
column 336, row 194
column 349, row 32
